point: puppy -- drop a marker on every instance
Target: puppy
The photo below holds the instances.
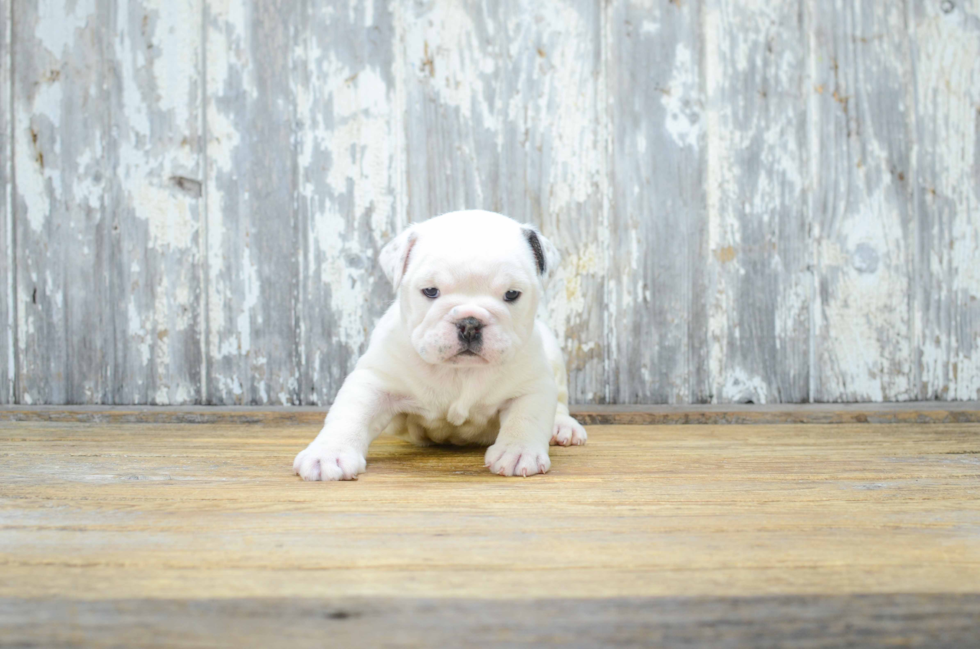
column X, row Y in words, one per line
column 460, row 357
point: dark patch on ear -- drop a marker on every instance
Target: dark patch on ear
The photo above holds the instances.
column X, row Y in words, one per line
column 408, row 252
column 532, row 239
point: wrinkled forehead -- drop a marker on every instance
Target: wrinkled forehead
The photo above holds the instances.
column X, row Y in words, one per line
column 483, row 258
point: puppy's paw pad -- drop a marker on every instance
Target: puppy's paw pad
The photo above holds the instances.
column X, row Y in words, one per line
column 319, row 462
column 517, row 460
column 568, row 432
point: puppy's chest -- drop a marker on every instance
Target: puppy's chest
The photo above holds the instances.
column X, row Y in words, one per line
column 461, row 402
column 458, row 411
column 456, row 423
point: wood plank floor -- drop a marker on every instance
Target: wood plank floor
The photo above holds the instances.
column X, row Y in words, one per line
column 157, row 534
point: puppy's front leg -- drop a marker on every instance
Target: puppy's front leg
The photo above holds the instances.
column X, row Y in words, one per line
column 359, row 414
column 526, row 425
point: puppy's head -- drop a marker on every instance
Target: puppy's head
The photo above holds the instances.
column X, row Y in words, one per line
column 468, row 285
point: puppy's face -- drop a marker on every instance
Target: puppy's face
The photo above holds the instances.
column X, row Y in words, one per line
column 468, row 285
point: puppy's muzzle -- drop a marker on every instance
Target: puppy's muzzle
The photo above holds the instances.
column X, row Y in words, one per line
column 470, row 332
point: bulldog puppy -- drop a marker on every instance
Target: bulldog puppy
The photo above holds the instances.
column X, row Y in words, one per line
column 460, row 357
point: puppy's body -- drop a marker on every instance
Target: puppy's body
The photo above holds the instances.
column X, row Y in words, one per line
column 448, row 405
column 469, row 365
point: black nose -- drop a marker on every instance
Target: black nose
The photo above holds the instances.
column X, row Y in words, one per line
column 469, row 330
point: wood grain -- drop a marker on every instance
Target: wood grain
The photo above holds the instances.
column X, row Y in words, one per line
column 350, row 191
column 946, row 58
column 7, row 258
column 65, row 339
column 768, row 202
column 604, row 415
column 860, row 621
column 768, row 529
column 758, row 258
column 252, row 230
column 174, row 511
column 657, row 322
column 154, row 200
column 860, row 139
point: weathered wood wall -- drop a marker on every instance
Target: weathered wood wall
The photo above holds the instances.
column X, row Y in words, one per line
column 769, row 201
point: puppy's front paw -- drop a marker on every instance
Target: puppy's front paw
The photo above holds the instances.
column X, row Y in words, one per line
column 568, row 432
column 517, row 459
column 321, row 462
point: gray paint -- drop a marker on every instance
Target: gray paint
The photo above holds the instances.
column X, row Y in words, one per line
column 860, row 147
column 154, row 201
column 758, row 320
column 65, row 334
column 6, row 211
column 656, row 246
column 945, row 59
column 767, row 202
column 347, row 139
column 252, row 226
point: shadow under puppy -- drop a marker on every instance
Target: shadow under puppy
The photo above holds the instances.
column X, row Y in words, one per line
column 460, row 357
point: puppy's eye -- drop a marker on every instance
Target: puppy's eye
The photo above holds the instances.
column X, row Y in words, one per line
column 431, row 293
column 511, row 296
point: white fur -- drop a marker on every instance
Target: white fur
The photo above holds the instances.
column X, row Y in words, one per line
column 411, row 380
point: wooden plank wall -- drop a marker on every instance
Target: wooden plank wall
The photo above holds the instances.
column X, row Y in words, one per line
column 756, row 201
column 6, row 210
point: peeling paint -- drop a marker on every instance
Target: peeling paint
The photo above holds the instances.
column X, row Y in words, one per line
column 946, row 50
column 156, row 52
column 444, row 47
column 740, row 387
column 567, row 298
column 754, row 201
column 60, row 20
column 8, row 287
column 347, row 153
column 863, row 346
column 681, row 99
column 758, row 329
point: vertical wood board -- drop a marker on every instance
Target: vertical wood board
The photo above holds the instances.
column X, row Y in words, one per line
column 65, row 337
column 860, row 146
column 759, row 284
column 155, row 148
column 946, row 59
column 349, row 168
column 656, row 328
column 7, row 257
column 252, row 228
column 765, row 202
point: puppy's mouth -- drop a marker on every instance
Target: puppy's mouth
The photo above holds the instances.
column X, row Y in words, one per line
column 468, row 355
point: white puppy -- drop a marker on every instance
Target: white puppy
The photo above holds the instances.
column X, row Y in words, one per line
column 460, row 357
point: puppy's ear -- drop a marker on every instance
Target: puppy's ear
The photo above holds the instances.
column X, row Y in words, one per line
column 396, row 255
column 542, row 250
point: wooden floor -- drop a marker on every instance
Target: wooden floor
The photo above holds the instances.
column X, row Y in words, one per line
column 813, row 535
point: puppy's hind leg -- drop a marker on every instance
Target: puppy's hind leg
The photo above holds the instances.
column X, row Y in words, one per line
column 567, row 431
